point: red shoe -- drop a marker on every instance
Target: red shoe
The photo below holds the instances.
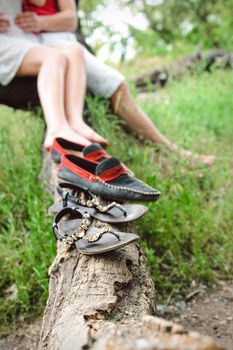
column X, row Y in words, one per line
column 93, row 152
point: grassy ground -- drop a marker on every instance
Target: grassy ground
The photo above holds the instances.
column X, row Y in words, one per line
column 26, row 243
column 187, row 235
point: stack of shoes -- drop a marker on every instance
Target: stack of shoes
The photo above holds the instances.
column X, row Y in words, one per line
column 89, row 176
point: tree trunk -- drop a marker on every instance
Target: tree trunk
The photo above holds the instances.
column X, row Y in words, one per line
column 104, row 302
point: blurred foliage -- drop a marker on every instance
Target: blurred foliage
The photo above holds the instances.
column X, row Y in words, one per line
column 201, row 22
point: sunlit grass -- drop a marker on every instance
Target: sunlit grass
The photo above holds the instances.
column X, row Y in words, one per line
column 26, row 243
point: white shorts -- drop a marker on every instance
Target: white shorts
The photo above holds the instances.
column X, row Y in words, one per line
column 13, row 47
column 14, row 44
column 102, row 80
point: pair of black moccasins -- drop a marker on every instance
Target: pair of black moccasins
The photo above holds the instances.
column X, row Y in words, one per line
column 87, row 180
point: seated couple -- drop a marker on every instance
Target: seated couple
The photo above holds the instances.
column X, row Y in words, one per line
column 36, row 39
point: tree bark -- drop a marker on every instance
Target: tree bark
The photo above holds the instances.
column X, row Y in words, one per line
column 104, row 302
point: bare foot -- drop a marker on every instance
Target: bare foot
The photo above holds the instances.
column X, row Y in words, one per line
column 86, row 131
column 196, row 160
column 68, row 134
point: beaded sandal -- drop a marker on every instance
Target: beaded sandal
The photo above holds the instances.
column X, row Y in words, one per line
column 90, row 240
column 84, row 200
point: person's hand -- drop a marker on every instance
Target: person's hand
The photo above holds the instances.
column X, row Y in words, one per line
column 4, row 23
column 29, row 22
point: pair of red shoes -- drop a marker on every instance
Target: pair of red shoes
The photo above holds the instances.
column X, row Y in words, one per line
column 93, row 152
column 98, row 172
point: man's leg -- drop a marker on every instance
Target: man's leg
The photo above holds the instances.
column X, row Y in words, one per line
column 106, row 82
column 124, row 106
column 51, row 68
column 75, row 90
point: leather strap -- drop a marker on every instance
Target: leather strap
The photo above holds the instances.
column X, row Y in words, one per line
column 112, row 173
column 96, row 155
column 67, row 197
column 63, row 212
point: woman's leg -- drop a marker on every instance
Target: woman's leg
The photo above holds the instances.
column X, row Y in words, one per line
column 75, row 89
column 51, row 68
column 137, row 120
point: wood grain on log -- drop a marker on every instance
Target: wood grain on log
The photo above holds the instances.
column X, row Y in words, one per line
column 104, row 302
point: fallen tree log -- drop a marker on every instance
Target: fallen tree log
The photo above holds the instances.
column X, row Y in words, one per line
column 106, row 302
column 160, row 76
column 218, row 56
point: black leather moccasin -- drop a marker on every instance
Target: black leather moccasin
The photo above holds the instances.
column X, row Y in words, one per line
column 108, row 179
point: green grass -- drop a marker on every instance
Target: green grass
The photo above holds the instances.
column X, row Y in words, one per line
column 26, row 243
column 187, row 234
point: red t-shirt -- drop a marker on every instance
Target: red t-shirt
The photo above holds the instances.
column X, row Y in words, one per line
column 49, row 8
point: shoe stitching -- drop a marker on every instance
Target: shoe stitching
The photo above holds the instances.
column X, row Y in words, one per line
column 125, row 188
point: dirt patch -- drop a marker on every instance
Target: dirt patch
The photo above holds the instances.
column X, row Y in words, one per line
column 26, row 338
column 209, row 313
